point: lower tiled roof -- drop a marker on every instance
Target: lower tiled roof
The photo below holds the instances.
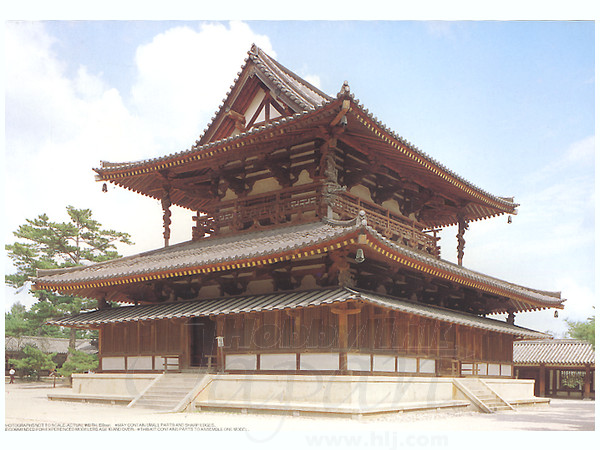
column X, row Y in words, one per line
column 214, row 250
column 282, row 301
column 553, row 351
column 229, row 251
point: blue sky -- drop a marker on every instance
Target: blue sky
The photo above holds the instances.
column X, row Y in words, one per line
column 507, row 105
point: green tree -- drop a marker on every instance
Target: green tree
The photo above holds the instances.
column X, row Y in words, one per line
column 34, row 361
column 44, row 244
column 15, row 321
column 78, row 362
column 585, row 331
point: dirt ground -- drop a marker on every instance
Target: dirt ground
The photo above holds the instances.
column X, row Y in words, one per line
column 28, row 409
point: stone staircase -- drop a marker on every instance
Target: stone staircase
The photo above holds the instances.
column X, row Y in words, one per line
column 482, row 395
column 170, row 392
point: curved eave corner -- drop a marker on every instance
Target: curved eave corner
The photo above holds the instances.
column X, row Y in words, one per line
column 457, row 274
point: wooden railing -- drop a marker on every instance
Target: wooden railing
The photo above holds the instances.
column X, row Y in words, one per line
column 263, row 210
column 394, row 226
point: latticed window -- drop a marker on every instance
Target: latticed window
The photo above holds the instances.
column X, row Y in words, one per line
column 572, row 379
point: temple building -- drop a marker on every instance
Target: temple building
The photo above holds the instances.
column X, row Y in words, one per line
column 314, row 251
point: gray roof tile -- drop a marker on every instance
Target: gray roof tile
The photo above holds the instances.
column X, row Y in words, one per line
column 553, row 351
column 285, row 300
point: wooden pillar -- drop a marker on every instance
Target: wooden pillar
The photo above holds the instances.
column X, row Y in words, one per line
column 343, row 311
column 462, row 227
column 166, row 206
column 542, row 381
column 220, row 333
column 587, row 381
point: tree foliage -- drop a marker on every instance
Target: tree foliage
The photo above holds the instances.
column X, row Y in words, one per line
column 78, row 362
column 34, row 361
column 45, row 244
column 585, row 331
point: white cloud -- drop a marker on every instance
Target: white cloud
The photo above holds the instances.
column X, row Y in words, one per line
column 59, row 126
column 315, row 80
column 184, row 74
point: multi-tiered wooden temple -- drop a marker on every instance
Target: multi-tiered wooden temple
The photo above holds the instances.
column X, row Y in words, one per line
column 314, row 250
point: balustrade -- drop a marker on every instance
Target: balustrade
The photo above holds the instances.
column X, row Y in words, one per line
column 290, row 205
column 393, row 226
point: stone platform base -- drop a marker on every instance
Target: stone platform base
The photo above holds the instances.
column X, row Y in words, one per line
column 307, row 394
column 345, row 395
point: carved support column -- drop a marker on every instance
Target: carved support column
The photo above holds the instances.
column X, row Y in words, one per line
column 511, row 318
column 103, row 304
column 462, row 227
column 166, row 206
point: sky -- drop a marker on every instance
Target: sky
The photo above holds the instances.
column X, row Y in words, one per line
column 508, row 105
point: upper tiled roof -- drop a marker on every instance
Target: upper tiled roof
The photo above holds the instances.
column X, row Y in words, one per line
column 46, row 344
column 554, row 351
column 312, row 105
column 284, row 301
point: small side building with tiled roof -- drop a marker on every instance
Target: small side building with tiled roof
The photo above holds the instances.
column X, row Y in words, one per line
column 560, row 367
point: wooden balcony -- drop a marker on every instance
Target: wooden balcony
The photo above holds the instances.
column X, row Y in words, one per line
column 306, row 203
column 395, row 227
column 297, row 204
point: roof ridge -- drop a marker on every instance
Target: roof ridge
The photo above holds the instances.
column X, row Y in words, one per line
column 261, row 58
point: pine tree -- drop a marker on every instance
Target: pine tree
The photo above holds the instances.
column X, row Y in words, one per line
column 34, row 361
column 44, row 244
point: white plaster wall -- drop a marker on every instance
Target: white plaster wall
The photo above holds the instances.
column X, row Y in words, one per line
column 357, row 361
column 493, row 369
column 426, row 365
column 361, row 192
column 266, row 185
column 113, row 363
column 506, row 370
column 278, row 361
column 482, row 369
column 319, row 361
column 259, row 287
column 303, row 178
column 139, row 363
column 256, row 101
column 384, row 363
column 407, row 364
column 392, row 205
column 240, row 362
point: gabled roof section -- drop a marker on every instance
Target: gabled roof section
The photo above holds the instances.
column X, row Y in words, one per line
column 264, row 87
